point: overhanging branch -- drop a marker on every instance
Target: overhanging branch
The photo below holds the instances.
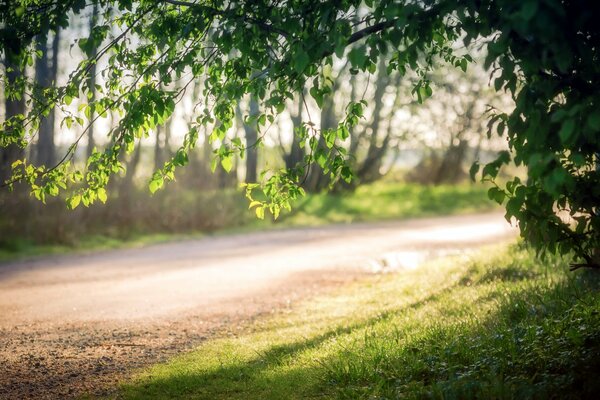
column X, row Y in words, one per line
column 214, row 11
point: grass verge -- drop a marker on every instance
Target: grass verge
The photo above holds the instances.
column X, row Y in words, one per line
column 379, row 201
column 501, row 325
column 21, row 248
column 389, row 200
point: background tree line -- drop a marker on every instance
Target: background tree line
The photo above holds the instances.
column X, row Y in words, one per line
column 429, row 143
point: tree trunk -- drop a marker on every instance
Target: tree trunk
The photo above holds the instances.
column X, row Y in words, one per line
column 296, row 153
column 451, row 168
column 13, row 152
column 317, row 180
column 45, row 74
column 354, row 137
column 158, row 151
column 251, row 150
column 369, row 170
column 127, row 183
column 92, row 84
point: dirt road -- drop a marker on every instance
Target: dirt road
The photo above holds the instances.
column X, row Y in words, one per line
column 76, row 324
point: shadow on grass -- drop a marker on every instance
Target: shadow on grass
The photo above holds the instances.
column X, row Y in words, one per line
column 256, row 378
column 542, row 341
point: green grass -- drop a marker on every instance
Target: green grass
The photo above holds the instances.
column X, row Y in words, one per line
column 380, row 201
column 502, row 325
column 388, row 200
column 19, row 248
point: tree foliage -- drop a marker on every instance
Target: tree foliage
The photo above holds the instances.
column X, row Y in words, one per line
column 545, row 53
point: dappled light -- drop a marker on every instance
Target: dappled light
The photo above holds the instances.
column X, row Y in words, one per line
column 353, row 199
column 427, row 332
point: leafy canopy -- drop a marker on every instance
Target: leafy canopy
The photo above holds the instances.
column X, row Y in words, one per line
column 545, row 53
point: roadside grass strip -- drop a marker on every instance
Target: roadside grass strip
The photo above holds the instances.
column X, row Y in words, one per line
column 375, row 202
column 502, row 324
column 389, row 200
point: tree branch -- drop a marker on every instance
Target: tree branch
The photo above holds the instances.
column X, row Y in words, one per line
column 369, row 30
column 224, row 14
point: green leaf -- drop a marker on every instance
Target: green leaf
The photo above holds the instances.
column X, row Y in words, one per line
column 156, row 183
column 474, row 170
column 53, row 190
column 498, row 82
column 73, row 201
column 340, row 49
column 317, row 95
column 529, row 9
column 490, row 170
column 102, row 194
column 254, row 203
column 262, row 120
column 593, row 121
column 260, row 212
column 346, row 174
column 496, row 194
column 227, row 162
column 83, row 44
column 181, row 158
column 423, row 93
column 358, row 57
column 321, row 158
column 566, row 131
column 301, row 61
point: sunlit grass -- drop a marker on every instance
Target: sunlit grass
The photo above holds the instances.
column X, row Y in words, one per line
column 387, row 200
column 502, row 325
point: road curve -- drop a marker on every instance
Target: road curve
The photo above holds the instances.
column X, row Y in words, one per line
column 76, row 312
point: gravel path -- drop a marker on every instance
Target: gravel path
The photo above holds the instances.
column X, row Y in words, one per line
column 72, row 325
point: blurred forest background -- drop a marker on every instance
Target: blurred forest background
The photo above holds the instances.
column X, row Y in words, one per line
column 404, row 152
